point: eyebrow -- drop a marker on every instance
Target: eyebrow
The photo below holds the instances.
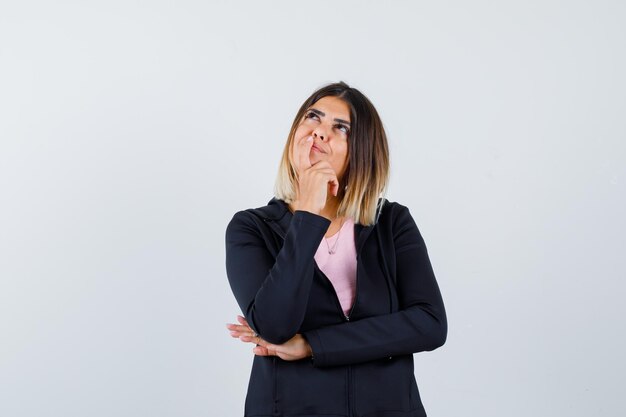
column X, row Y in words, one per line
column 321, row 113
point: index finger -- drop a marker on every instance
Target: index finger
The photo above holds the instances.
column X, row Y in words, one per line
column 303, row 150
column 242, row 320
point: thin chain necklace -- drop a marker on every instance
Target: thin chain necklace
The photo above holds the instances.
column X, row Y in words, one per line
column 331, row 251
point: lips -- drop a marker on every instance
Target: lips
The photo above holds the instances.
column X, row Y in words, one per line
column 317, row 148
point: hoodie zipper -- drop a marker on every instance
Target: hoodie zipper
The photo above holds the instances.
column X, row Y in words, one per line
column 329, row 284
column 346, row 317
column 338, row 304
column 356, row 289
column 350, row 383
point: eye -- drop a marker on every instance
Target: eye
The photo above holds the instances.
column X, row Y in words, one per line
column 310, row 115
column 345, row 128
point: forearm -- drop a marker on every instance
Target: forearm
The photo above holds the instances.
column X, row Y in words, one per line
column 273, row 293
column 412, row 330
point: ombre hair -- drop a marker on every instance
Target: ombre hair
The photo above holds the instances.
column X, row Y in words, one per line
column 367, row 173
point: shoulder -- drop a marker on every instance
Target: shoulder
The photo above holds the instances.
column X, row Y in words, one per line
column 274, row 209
column 252, row 217
column 393, row 213
column 396, row 220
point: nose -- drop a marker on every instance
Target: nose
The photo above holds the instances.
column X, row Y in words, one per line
column 319, row 133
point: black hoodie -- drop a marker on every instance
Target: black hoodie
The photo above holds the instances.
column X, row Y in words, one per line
column 362, row 363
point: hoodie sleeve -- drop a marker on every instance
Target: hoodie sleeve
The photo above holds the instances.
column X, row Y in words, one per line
column 419, row 325
column 273, row 293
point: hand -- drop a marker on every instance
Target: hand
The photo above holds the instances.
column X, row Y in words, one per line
column 314, row 181
column 295, row 348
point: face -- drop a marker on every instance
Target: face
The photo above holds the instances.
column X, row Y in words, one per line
column 328, row 121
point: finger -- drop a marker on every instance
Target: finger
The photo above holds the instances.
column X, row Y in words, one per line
column 234, row 326
column 247, row 339
column 237, row 334
column 242, row 320
column 330, row 176
column 245, row 327
column 322, row 163
column 233, row 329
column 322, row 167
column 240, row 328
column 334, row 186
column 254, row 339
column 285, row 351
column 277, row 350
column 303, row 152
column 260, row 351
column 244, row 323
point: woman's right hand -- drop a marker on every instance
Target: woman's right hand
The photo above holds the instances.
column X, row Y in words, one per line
column 294, row 349
column 315, row 180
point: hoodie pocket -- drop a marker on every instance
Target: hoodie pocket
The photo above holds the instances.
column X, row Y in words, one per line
column 385, row 385
column 302, row 389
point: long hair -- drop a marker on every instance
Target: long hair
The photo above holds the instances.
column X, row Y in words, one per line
column 367, row 173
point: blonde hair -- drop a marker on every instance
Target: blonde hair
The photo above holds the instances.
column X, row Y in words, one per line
column 367, row 173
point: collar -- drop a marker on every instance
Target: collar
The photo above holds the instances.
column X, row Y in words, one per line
column 277, row 214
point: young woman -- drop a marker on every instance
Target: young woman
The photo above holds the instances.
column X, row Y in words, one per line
column 334, row 281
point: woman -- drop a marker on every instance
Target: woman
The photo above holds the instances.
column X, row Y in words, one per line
column 334, row 281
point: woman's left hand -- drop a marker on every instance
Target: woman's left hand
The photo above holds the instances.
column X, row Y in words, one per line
column 295, row 348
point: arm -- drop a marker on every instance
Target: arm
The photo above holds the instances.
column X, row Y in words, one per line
column 420, row 325
column 272, row 293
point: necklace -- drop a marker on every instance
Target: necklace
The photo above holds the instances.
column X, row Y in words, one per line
column 331, row 251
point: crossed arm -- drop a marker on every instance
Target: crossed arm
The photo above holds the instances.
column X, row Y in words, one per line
column 419, row 325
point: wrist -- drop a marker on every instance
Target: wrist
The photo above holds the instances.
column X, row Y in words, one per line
column 307, row 348
column 304, row 206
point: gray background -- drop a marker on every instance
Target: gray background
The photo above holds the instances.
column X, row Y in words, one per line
column 131, row 132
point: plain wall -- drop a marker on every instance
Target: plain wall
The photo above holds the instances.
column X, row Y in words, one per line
column 131, row 132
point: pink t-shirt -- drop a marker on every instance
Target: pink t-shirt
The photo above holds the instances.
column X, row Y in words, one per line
column 340, row 267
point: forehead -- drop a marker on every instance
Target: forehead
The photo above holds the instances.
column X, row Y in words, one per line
column 333, row 107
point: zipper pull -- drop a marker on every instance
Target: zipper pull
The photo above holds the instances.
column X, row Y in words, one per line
column 347, row 318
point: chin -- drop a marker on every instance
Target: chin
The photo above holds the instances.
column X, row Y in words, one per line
column 314, row 156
